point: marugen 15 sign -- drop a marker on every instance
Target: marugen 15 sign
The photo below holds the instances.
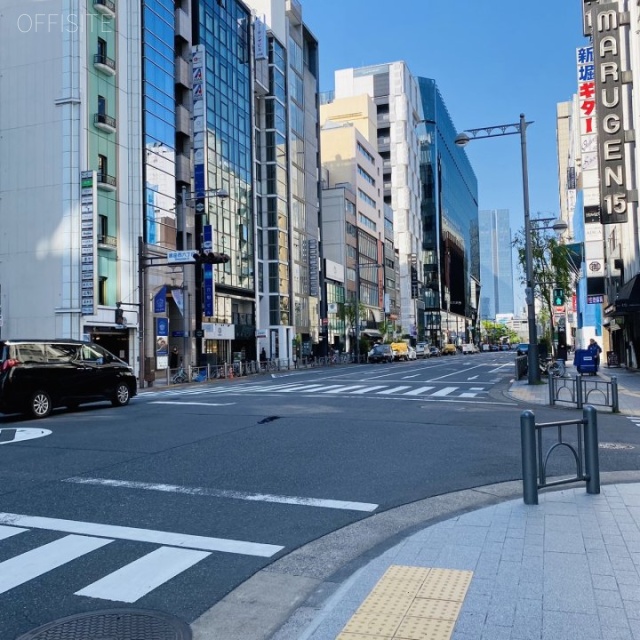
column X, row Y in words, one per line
column 610, row 94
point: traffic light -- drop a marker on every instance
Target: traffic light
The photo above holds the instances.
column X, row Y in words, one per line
column 558, row 297
column 210, row 258
column 119, row 315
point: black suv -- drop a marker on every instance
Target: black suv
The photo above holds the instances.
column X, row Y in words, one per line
column 38, row 375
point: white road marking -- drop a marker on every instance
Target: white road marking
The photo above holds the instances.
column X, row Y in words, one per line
column 9, row 436
column 304, row 389
column 355, row 386
column 367, row 390
column 7, row 532
column 467, row 395
column 225, row 493
column 455, row 373
column 476, row 388
column 472, row 378
column 392, row 390
column 444, row 392
column 418, row 391
column 141, row 535
column 34, row 563
column 136, row 579
column 415, row 375
column 197, row 404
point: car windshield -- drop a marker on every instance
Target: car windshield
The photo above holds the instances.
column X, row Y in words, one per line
column 523, row 347
column 381, row 348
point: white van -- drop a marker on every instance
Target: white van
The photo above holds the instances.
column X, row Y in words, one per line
column 469, row 348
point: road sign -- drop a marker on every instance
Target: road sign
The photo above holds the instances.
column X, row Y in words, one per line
column 180, row 257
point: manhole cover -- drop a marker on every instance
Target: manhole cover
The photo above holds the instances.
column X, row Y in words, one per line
column 114, row 624
column 614, row 445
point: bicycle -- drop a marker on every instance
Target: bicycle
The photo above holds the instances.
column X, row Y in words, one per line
column 553, row 367
column 180, row 376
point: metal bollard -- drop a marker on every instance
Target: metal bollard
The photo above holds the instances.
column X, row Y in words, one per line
column 552, row 391
column 579, row 391
column 528, row 446
column 615, row 407
column 591, row 460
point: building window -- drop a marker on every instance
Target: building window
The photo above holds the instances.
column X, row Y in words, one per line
column 367, row 222
column 102, row 166
column 366, row 176
column 368, row 199
column 102, row 48
column 102, row 290
column 103, row 228
column 366, row 154
column 102, row 105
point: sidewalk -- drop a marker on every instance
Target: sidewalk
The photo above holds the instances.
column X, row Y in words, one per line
column 568, row 568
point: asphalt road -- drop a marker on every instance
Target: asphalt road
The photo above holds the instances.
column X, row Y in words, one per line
column 173, row 501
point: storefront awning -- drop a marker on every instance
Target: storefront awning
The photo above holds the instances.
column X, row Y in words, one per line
column 628, row 298
column 371, row 333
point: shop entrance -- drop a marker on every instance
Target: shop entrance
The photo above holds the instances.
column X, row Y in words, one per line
column 115, row 341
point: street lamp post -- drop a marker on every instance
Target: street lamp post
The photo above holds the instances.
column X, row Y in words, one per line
column 518, row 128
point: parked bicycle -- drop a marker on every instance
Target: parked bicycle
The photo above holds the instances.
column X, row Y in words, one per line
column 552, row 367
column 180, row 376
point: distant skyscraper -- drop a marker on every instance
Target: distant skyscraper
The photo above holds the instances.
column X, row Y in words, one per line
column 496, row 266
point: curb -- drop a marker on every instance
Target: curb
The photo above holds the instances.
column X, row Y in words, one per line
column 283, row 599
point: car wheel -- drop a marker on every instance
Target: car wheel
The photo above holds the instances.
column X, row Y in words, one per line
column 40, row 404
column 122, row 395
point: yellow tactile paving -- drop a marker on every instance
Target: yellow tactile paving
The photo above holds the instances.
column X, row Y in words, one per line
column 410, row 603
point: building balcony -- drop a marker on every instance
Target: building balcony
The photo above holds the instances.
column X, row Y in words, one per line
column 104, row 122
column 106, row 7
column 183, row 25
column 183, row 120
column 183, row 168
column 104, row 64
column 294, row 12
column 107, row 242
column 105, row 182
column 181, row 73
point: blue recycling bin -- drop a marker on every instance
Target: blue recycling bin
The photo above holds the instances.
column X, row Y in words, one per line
column 585, row 362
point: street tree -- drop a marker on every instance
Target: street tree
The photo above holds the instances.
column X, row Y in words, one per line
column 551, row 262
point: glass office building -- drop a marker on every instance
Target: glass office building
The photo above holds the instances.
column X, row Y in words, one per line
column 224, row 29
column 449, row 212
column 496, row 266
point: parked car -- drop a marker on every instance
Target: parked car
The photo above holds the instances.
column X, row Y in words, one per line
column 449, row 349
column 38, row 375
column 505, row 347
column 434, row 352
column 380, row 353
column 469, row 349
column 422, row 350
column 494, row 347
column 400, row 350
column 412, row 353
column 522, row 349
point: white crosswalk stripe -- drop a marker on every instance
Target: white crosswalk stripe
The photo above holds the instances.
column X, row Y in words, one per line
column 343, row 389
column 175, row 553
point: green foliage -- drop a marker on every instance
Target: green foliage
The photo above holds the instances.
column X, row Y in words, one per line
column 551, row 261
column 493, row 332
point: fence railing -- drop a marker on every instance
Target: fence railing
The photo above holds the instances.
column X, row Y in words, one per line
column 241, row 369
column 521, row 367
column 535, row 460
column 579, row 390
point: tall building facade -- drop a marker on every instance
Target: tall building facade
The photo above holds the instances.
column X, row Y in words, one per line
column 70, row 174
column 350, row 158
column 395, row 93
column 496, row 263
column 290, row 276
column 449, row 222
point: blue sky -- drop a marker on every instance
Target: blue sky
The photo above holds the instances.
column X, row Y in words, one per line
column 492, row 60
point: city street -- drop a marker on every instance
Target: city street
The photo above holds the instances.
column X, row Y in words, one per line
column 170, row 503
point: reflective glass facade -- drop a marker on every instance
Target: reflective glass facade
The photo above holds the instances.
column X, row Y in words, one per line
column 224, row 30
column 449, row 210
column 159, row 114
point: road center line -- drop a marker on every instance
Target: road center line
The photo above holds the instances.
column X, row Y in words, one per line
column 198, row 404
column 225, row 493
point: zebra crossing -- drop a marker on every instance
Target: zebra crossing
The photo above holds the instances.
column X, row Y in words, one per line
column 360, row 389
column 635, row 420
column 171, row 555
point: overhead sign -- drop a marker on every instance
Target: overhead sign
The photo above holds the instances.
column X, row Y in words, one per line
column 610, row 95
column 180, row 257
